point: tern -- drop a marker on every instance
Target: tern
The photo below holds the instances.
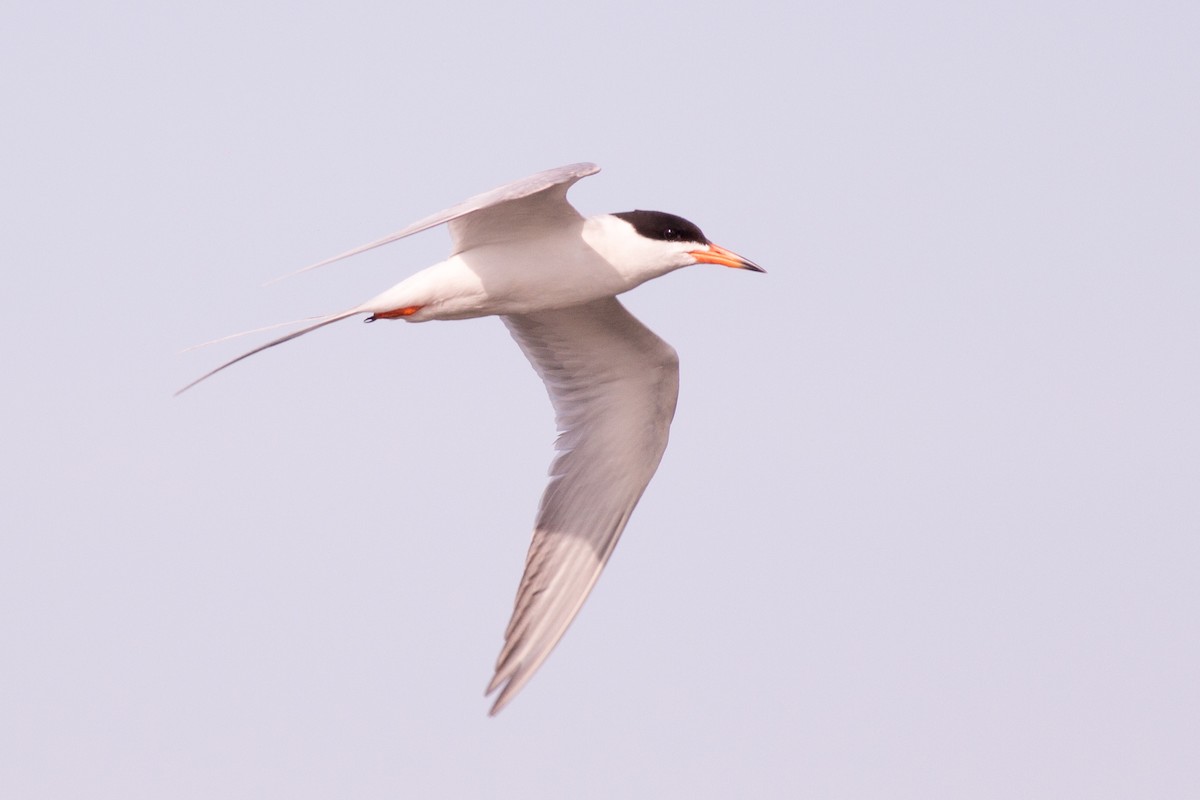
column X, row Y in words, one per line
column 523, row 253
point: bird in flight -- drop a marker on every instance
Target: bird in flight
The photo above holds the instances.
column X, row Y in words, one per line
column 523, row 253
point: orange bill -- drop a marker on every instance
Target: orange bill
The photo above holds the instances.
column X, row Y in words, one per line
column 715, row 254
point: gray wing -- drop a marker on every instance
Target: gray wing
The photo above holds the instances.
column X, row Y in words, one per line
column 613, row 384
column 545, row 194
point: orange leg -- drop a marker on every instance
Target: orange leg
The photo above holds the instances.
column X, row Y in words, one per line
column 396, row 313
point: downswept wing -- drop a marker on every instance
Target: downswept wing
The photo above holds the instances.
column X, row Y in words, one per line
column 544, row 193
column 613, row 384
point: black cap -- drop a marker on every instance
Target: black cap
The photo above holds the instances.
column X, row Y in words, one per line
column 663, row 226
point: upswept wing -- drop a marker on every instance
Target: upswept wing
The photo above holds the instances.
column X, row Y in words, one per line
column 544, row 193
column 613, row 384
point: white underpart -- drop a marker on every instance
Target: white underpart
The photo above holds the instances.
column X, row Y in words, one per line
column 522, row 252
column 575, row 261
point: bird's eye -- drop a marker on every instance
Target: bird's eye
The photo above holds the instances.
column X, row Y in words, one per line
column 670, row 234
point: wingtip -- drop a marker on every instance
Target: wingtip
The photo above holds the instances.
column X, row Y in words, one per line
column 318, row 265
column 506, row 694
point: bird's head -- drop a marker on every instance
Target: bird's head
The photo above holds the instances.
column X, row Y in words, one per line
column 654, row 243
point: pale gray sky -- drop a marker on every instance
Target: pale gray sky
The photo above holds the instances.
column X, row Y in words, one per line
column 928, row 526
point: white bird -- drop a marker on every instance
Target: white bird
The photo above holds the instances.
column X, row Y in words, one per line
column 522, row 252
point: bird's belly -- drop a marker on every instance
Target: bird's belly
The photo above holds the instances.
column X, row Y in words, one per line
column 522, row 281
column 501, row 280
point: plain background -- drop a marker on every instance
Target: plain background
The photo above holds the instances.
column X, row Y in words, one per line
column 928, row 526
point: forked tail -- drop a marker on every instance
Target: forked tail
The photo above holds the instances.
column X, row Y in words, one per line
column 323, row 321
